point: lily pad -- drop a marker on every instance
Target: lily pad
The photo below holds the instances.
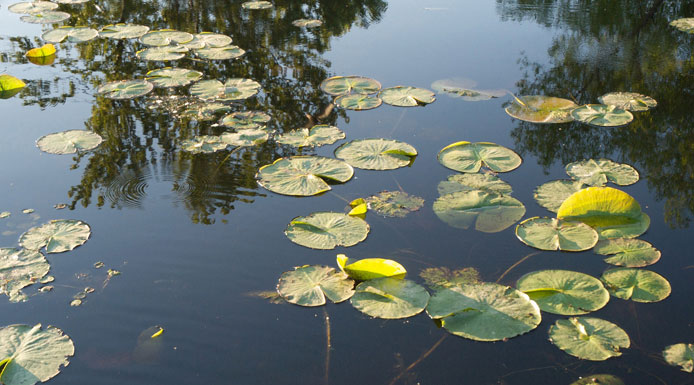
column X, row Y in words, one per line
column 555, row 234
column 164, row 37
column 172, row 77
column 599, row 172
column 602, row 115
column 684, row 24
column 552, row 194
column 72, row 2
column 467, row 182
column 166, row 53
column 636, row 284
column 481, row 210
column 628, row 252
column 630, row 101
column 5, row 214
column 390, row 298
column 303, row 175
column 310, row 285
column 205, row 111
column 204, row 144
column 370, row 268
column 33, row 354
column 394, row 203
column 56, row 236
column 257, row 5
column 600, row 379
column 32, row 7
column 439, row 278
column 123, row 31
column 43, row 51
column 376, row 154
column 589, row 338
column 210, row 40
column 125, row 89
column 244, row 138
column 244, row 120
column 340, row 85
column 406, row 96
column 317, row 135
column 72, row 34
column 233, row 89
column 465, row 89
column 20, row 268
column 220, row 53
column 484, row 311
column 680, row 355
column 470, row 157
column 45, row 17
column 564, row 292
column 357, row 102
column 69, row 142
column 326, row 230
column 541, row 109
column 10, row 86
column 307, row 23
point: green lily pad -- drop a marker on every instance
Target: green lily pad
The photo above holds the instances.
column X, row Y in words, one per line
column 46, row 17
column 406, row 96
column 465, row 89
column 251, row 137
column 233, row 89
column 598, row 172
column 72, row 34
column 204, row 144
column 439, row 278
column 69, row 142
column 601, row 115
column 303, row 175
column 552, row 194
column 33, row 354
column 20, row 268
column 244, row 120
column 394, row 203
column 601, row 379
column 589, row 338
column 220, row 53
column 307, row 23
column 125, row 89
column 541, row 109
column 56, row 236
column 340, row 85
column 628, row 252
column 172, row 77
column 684, row 24
column 166, row 53
column 164, row 37
column 257, row 5
column 680, row 355
column 390, row 298
column 484, row 311
column 123, row 31
column 10, row 86
column 210, row 40
column 481, row 210
column 317, row 135
column 555, row 234
column 636, row 284
column 630, row 101
column 357, row 102
column 32, row 7
column 564, row 292
column 470, row 157
column 370, row 268
column 376, row 154
column 205, row 111
column 310, row 285
column 467, row 182
column 326, row 230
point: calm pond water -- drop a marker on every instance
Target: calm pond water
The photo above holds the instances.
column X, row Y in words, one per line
column 195, row 236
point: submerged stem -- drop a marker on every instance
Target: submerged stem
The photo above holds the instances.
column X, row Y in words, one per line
column 420, row 359
column 516, row 264
column 328, row 346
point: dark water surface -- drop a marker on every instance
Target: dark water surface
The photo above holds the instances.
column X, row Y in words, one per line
column 194, row 236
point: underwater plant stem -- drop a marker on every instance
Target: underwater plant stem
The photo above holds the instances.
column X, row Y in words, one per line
column 224, row 160
column 636, row 319
column 328, row 346
column 516, row 264
column 397, row 124
column 418, row 360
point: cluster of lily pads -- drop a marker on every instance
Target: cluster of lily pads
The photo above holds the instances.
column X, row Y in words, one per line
column 357, row 93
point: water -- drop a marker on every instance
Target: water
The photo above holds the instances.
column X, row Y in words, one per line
column 194, row 236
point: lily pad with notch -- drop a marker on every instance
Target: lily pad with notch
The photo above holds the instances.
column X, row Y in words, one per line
column 56, row 236
column 250, row 137
column 303, row 175
column 600, row 379
column 69, row 142
column 245, row 120
column 685, row 24
column 123, row 31
column 589, row 338
column 340, row 85
column 470, row 157
column 564, row 292
column 318, row 135
column 376, row 154
column 555, row 234
column 484, row 211
column 220, row 53
column 45, row 17
column 20, row 268
column 172, row 77
column 602, row 115
column 311, row 285
column 477, row 181
column 541, row 109
column 681, row 355
column 638, row 285
column 394, row 203
column 165, row 53
column 10, row 86
column 630, row 101
column 209, row 40
column 598, row 172
column 307, row 23
column 628, row 252
column 164, row 37
column 404, row 96
column 72, row 34
column 204, row 144
column 370, row 268
column 357, row 102
column 390, row 298
column 30, row 7
column 125, row 89
column 233, row 89
column 327, row 230
column 552, row 194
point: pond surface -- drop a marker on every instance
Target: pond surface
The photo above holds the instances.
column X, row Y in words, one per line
column 196, row 238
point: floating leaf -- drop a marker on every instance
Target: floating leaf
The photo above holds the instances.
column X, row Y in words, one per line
column 484, row 311
column 233, row 89
column 164, row 37
column 628, row 252
column 442, row 277
column 309, row 285
column 589, row 338
column 205, row 111
column 317, row 135
column 43, row 51
column 257, row 5
column 72, row 34
column 464, row 89
column 685, row 24
column 10, row 86
column 599, row 172
column 69, row 142
column 376, row 154
column 33, row 354
column 481, row 210
column 680, row 355
column 326, row 230
column 112, row 273
column 406, row 96
column 56, row 236
column 357, row 102
column 564, row 292
column 390, row 298
column 358, row 208
column 602, row 115
column 467, row 182
column 630, row 101
column 470, row 157
column 27, row 211
column 303, row 175
column 601, row 379
column 172, row 77
column 307, row 23
column 555, row 234
column 370, row 268
column 210, row 40
column 252, row 137
column 125, row 89
column 45, row 17
column 72, row 2
column 5, row 214
column 204, row 144
column 76, row 302
column 636, row 284
column 32, row 7
column 541, row 109
column 47, row 279
column 244, row 120
column 394, row 203
column 220, row 53
column 166, row 53
column 339, row 85
column 123, row 31
column 20, row 268
column 552, row 194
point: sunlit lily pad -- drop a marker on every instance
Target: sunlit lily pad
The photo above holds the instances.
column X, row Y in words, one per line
column 56, row 236
column 390, row 298
column 470, row 157
column 251, row 137
column 317, row 135
column 602, row 115
column 245, row 120
column 370, row 268
column 589, row 338
column 541, row 109
column 125, row 89
column 5, row 214
column 339, row 85
column 465, row 89
column 600, row 379
column 638, row 285
column 172, row 77
column 20, row 268
column 326, row 230
column 257, row 5
column 564, row 292
column 233, row 89
column 680, row 355
column 72, row 34
column 123, row 31
column 32, row 7
column 406, row 96
column 166, row 53
column 357, row 102
column 630, row 101
column 209, row 40
column 45, row 17
column 33, row 354
column 204, row 144
column 307, row 23
column 439, row 278
column 220, row 53
column 552, row 194
column 555, row 234
column 376, row 154
column 481, row 210
column 467, row 182
column 303, row 175
column 484, row 311
column 43, row 55
column 69, row 142
column 684, row 24
column 10, row 86
column 394, row 203
column 599, row 172
column 164, row 37
column 205, row 111
column 628, row 252
column 310, row 285
column 72, row 2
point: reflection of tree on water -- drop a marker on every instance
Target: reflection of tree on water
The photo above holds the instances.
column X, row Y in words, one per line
column 617, row 46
